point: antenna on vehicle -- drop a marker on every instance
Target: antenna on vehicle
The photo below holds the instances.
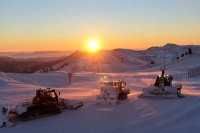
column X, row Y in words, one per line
column 164, row 63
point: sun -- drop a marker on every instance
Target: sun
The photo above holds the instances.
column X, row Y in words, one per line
column 93, row 45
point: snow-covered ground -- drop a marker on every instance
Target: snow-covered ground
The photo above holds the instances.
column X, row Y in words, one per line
column 125, row 60
column 132, row 115
column 139, row 115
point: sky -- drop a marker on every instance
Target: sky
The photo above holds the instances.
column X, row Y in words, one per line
column 35, row 25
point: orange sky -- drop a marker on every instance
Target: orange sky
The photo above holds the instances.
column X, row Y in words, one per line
column 59, row 25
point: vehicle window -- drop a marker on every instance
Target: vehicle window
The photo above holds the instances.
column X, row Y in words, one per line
column 107, row 84
column 123, row 85
column 115, row 85
column 40, row 94
column 51, row 95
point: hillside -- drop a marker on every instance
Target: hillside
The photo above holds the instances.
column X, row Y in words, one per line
column 109, row 61
column 30, row 65
column 141, row 115
column 122, row 60
column 172, row 51
column 36, row 54
column 117, row 60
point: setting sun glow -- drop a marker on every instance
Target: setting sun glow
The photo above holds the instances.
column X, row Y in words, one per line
column 93, row 45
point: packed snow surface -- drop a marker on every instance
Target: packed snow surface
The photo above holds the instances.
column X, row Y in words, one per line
column 139, row 115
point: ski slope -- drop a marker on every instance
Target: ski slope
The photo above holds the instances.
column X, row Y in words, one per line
column 132, row 115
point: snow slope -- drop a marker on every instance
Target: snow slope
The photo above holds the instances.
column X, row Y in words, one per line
column 132, row 115
column 117, row 60
column 124, row 60
column 172, row 51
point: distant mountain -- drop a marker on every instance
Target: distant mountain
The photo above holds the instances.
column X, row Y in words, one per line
column 122, row 60
column 173, row 48
column 29, row 65
column 117, row 60
column 172, row 52
column 36, row 54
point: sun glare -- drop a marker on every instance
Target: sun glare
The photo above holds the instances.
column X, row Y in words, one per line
column 93, row 45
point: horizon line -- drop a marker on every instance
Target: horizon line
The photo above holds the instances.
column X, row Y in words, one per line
column 31, row 51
